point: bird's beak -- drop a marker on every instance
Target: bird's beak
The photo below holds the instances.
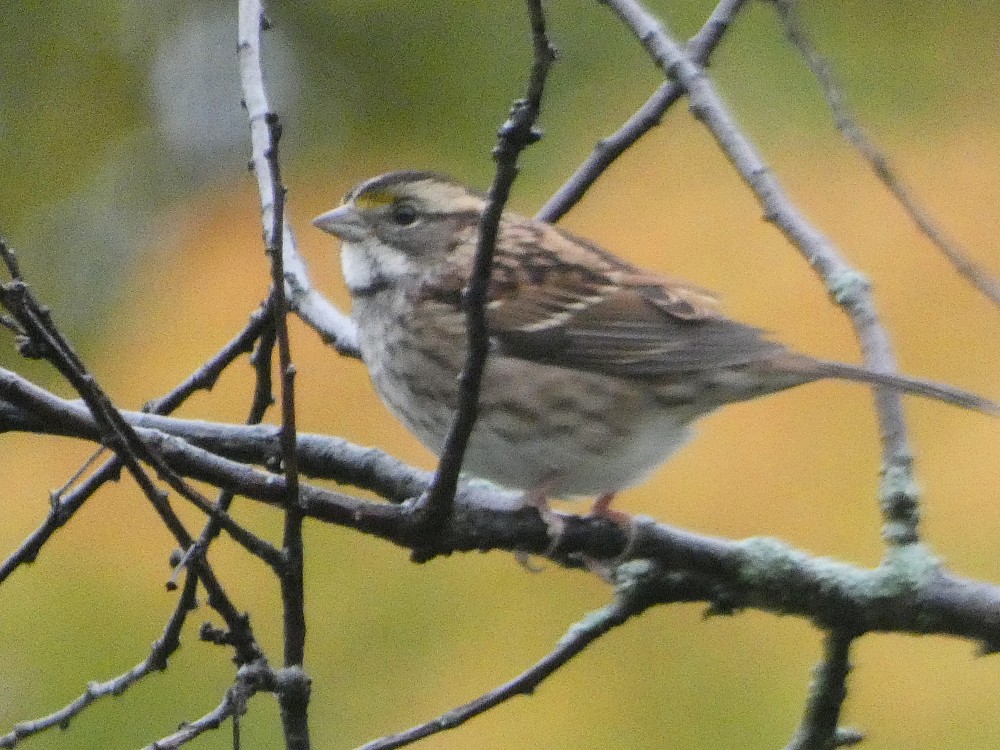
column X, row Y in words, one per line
column 342, row 222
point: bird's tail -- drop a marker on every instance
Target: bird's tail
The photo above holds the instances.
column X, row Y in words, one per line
column 827, row 369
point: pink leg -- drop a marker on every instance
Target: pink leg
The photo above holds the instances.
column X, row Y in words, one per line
column 602, row 509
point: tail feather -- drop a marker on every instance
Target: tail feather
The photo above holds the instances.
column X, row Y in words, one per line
column 906, row 384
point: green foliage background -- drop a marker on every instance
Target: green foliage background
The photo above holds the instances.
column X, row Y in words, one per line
column 124, row 189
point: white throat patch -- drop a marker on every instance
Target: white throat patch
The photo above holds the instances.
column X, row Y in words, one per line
column 367, row 268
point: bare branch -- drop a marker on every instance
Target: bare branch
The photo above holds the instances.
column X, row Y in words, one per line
column 819, row 729
column 639, row 585
column 205, row 377
column 10, row 324
column 848, row 125
column 909, row 593
column 514, row 136
column 849, row 288
column 43, row 340
column 250, row 680
column 66, row 503
column 649, row 115
column 156, row 661
column 266, row 133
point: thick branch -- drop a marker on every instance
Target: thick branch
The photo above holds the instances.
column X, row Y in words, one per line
column 910, row 592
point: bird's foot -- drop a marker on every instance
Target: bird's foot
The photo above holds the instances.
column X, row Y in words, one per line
column 602, row 509
column 554, row 524
column 626, row 522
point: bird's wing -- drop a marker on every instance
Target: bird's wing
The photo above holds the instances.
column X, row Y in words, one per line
column 583, row 308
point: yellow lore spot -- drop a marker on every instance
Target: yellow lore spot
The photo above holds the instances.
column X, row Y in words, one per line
column 374, row 200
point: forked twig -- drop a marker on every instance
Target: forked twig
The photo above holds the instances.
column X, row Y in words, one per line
column 648, row 116
column 251, row 679
column 67, row 502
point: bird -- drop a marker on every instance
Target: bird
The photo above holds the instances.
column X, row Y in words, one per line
column 597, row 369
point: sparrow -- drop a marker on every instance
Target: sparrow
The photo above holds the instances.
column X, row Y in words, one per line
column 597, row 368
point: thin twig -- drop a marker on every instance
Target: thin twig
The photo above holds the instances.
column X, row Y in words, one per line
column 632, row 599
column 206, row 376
column 849, row 288
column 261, row 401
column 265, row 137
column 44, row 339
column 250, row 680
column 156, row 661
column 67, row 503
column 55, row 497
column 59, row 513
column 847, row 124
column 47, row 341
column 516, row 134
column 819, row 730
column 649, row 115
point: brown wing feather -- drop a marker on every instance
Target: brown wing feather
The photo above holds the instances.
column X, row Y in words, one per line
column 591, row 311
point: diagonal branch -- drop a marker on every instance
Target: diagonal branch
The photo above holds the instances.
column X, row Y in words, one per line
column 847, row 124
column 66, row 504
column 849, row 288
column 260, row 359
column 156, row 661
column 639, row 585
column 251, row 679
column 43, row 340
column 700, row 48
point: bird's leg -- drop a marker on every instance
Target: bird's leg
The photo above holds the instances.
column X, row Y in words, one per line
column 537, row 498
column 602, row 509
column 626, row 522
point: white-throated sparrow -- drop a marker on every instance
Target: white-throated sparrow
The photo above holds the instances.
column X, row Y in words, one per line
column 597, row 368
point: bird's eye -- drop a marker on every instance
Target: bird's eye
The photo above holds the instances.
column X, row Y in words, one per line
column 404, row 215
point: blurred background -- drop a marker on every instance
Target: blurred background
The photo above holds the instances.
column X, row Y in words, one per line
column 125, row 192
